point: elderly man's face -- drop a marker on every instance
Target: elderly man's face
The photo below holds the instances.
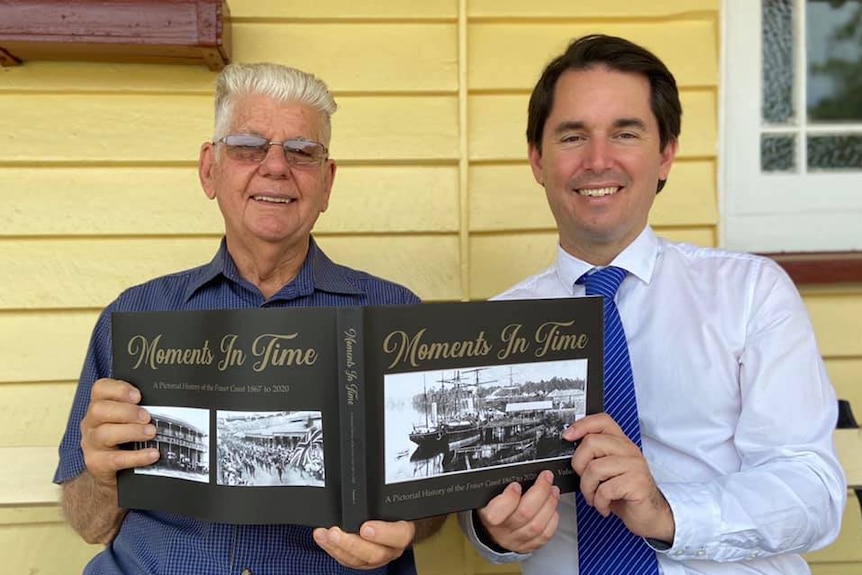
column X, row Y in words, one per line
column 272, row 201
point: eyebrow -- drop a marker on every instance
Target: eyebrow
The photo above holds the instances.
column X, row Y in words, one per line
column 576, row 125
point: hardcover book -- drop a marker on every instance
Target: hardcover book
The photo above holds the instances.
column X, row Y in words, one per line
column 333, row 416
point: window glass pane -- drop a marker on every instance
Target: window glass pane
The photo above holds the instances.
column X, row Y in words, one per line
column 835, row 152
column 834, row 53
column 778, row 50
column 777, row 153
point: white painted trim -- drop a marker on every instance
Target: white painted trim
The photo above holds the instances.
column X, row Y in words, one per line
column 815, row 211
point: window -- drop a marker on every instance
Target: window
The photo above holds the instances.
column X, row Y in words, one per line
column 792, row 125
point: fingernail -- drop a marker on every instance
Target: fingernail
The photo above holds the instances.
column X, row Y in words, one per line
column 556, row 491
column 135, row 395
column 335, row 535
column 548, row 475
column 150, row 430
column 143, row 416
column 368, row 531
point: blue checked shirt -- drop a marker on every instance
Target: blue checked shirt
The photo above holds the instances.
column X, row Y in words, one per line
column 162, row 543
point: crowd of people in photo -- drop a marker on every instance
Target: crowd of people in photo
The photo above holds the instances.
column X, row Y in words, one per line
column 242, row 462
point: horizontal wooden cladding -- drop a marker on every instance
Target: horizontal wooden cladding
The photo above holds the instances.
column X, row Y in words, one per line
column 836, row 322
column 44, row 346
column 510, row 56
column 49, row 549
column 30, row 514
column 506, row 197
column 498, row 123
column 83, row 77
column 428, row 265
column 34, row 413
column 170, row 129
column 343, row 9
column 359, row 57
column 500, row 260
column 443, row 554
column 26, row 484
column 844, row 555
column 169, row 201
column 845, row 373
column 89, row 273
column 556, row 9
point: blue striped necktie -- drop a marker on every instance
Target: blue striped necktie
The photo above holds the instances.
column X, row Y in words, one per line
column 605, row 545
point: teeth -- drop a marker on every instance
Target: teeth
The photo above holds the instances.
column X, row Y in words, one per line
column 597, row 192
column 273, row 200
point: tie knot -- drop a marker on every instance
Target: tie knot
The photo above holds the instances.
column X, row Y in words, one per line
column 604, row 281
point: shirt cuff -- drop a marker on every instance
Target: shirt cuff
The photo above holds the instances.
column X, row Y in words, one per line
column 696, row 518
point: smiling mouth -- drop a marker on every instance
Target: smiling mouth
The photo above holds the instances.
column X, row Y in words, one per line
column 273, row 199
column 598, row 192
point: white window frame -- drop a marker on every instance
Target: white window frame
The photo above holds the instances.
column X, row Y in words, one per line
column 774, row 212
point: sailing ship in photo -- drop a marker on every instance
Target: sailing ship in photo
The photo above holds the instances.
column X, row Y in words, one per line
column 451, row 421
column 461, row 420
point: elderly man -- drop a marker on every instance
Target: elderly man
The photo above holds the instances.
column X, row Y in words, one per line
column 714, row 455
column 269, row 170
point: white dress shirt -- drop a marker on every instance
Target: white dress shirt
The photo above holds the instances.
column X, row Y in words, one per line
column 735, row 406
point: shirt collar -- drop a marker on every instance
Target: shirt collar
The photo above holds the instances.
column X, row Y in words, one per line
column 638, row 259
column 318, row 272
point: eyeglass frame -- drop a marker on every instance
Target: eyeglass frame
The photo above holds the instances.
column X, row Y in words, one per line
column 270, row 143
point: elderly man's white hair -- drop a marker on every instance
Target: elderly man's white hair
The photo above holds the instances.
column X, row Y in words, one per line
column 275, row 81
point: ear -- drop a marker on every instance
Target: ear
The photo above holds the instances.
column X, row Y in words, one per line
column 206, row 167
column 535, row 156
column 329, row 179
column 667, row 156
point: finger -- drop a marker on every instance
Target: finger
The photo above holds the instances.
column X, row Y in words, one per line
column 329, row 543
column 115, row 390
column 502, row 506
column 550, row 529
column 594, row 447
column 352, row 551
column 110, row 411
column 540, row 494
column 610, row 479
column 104, row 465
column 112, row 435
column 397, row 534
column 532, row 533
column 596, row 423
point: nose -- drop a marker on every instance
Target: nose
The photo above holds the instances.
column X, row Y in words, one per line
column 597, row 155
column 274, row 164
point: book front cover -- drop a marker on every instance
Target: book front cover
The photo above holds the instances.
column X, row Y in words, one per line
column 246, row 411
column 468, row 397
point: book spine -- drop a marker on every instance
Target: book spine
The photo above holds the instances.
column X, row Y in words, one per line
column 351, row 382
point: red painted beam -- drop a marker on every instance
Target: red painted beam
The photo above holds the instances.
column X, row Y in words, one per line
column 164, row 31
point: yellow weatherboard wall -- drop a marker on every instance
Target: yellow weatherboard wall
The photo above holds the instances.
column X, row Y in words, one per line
column 99, row 192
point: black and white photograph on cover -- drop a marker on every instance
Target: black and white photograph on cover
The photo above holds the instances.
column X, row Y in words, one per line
column 182, row 438
column 270, row 448
column 456, row 421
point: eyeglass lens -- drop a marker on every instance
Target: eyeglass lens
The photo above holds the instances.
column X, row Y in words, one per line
column 250, row 148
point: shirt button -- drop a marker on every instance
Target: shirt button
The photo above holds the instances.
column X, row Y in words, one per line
column 246, row 572
column 678, row 552
column 700, row 552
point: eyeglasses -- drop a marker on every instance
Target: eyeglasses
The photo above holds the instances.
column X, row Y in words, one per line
column 253, row 149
